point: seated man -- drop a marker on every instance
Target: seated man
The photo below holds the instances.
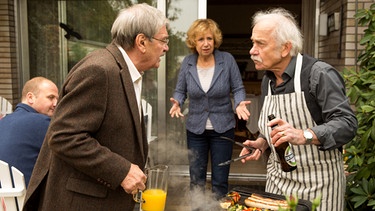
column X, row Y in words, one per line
column 23, row 131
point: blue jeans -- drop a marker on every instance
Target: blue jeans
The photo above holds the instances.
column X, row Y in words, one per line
column 199, row 146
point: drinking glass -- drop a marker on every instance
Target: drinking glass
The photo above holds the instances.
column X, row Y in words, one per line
column 153, row 198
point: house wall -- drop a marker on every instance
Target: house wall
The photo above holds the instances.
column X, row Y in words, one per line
column 341, row 47
column 8, row 52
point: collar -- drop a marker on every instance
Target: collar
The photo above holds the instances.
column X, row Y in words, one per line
column 26, row 107
column 288, row 72
column 134, row 73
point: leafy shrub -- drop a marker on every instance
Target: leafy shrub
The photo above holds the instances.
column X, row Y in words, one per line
column 360, row 153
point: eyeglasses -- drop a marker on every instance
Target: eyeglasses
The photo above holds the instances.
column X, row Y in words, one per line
column 166, row 40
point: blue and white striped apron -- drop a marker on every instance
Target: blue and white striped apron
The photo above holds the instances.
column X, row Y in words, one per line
column 318, row 172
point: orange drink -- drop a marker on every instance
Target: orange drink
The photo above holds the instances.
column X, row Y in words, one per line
column 155, row 195
column 153, row 200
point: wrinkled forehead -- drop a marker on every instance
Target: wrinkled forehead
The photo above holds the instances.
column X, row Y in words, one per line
column 266, row 25
column 263, row 30
column 203, row 33
column 162, row 31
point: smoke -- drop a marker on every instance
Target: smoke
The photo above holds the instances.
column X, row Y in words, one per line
column 203, row 200
column 169, row 152
column 180, row 198
column 179, row 195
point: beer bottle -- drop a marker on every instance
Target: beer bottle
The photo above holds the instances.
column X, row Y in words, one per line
column 284, row 153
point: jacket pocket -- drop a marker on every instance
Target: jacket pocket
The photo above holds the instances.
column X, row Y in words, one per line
column 86, row 187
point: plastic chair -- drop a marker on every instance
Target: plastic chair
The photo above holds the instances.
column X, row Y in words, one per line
column 12, row 188
column 5, row 107
column 147, row 113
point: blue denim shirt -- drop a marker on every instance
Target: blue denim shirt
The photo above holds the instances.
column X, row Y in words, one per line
column 216, row 104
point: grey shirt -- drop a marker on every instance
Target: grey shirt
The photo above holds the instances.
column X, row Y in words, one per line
column 326, row 86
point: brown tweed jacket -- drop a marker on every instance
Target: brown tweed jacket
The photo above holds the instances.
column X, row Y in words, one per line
column 94, row 136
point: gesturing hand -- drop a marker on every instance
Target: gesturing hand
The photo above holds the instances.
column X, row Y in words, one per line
column 241, row 110
column 175, row 110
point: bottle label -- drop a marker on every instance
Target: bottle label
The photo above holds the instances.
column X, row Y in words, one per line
column 289, row 157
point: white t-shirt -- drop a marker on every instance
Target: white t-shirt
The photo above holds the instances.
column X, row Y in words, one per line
column 205, row 77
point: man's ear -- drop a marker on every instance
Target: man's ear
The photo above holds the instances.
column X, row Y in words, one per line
column 140, row 42
column 30, row 98
column 285, row 49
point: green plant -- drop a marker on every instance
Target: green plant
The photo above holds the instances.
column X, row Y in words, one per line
column 360, row 153
column 292, row 201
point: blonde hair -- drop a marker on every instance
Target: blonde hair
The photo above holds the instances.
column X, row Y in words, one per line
column 199, row 27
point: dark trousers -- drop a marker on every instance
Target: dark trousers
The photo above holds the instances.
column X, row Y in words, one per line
column 220, row 150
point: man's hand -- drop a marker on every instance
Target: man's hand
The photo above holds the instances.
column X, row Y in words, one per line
column 285, row 132
column 260, row 145
column 134, row 181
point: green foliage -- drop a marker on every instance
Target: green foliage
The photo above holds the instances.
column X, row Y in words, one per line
column 292, row 201
column 316, row 203
column 360, row 153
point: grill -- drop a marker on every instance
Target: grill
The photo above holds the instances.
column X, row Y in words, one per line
column 303, row 205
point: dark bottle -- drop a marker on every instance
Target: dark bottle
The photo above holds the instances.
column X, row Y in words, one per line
column 284, row 153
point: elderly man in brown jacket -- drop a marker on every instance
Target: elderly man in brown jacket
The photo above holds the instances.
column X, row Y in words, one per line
column 96, row 147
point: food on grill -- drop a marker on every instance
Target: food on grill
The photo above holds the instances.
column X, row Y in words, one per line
column 231, row 199
column 237, row 207
column 235, row 196
column 258, row 201
column 226, row 202
column 255, row 202
column 256, row 209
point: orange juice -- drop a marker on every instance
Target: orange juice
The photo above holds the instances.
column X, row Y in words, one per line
column 153, row 200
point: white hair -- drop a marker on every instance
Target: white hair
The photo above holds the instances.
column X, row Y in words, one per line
column 286, row 28
column 139, row 18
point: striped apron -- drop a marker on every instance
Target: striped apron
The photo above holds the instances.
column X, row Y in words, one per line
column 318, row 172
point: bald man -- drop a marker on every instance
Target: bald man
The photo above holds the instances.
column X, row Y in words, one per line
column 23, row 131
